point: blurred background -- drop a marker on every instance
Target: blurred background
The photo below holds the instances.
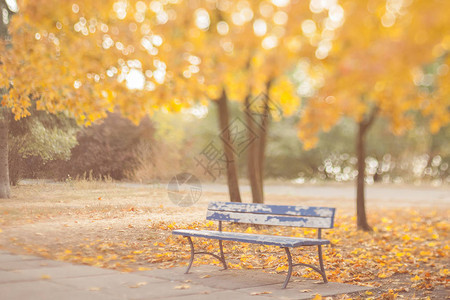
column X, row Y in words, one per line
column 160, row 146
column 127, row 90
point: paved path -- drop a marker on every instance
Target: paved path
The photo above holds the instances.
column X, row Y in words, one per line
column 29, row 277
column 377, row 195
column 398, row 195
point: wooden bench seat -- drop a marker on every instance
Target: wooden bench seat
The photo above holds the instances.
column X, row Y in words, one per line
column 263, row 214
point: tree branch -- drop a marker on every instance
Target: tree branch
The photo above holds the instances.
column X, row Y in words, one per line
column 371, row 118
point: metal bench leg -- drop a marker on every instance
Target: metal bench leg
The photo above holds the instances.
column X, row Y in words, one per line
column 322, row 268
column 321, row 271
column 222, row 255
column 288, row 277
column 221, row 258
column 192, row 254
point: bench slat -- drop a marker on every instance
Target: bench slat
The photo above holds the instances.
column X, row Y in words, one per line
column 256, row 208
column 274, row 240
column 262, row 219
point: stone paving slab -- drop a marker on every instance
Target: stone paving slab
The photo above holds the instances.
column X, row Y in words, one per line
column 196, row 272
column 108, row 281
column 256, row 282
column 45, row 290
column 63, row 271
column 305, row 289
column 131, row 286
column 217, row 277
column 28, row 264
column 124, row 288
column 222, row 295
column 27, row 277
column 10, row 276
column 7, row 257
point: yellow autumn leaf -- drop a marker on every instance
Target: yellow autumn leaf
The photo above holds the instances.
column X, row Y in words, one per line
column 249, row 230
column 182, row 287
column 406, row 237
column 139, row 284
column 260, row 293
column 281, row 268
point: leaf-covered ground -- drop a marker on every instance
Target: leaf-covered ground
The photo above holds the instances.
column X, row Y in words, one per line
column 406, row 256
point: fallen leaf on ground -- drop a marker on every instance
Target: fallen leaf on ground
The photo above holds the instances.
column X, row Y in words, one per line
column 139, row 284
column 400, row 254
column 305, row 291
column 45, row 276
column 182, row 287
column 260, row 293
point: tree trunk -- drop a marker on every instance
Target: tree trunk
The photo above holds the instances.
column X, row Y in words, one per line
column 256, row 150
column 363, row 127
column 360, row 196
column 5, row 191
column 265, row 120
column 232, row 178
column 253, row 165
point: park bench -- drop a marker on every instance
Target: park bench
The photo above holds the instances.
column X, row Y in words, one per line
column 262, row 214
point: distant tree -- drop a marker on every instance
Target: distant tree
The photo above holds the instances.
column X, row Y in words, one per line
column 374, row 69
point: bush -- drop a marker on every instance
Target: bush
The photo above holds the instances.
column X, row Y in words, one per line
column 109, row 148
column 36, row 140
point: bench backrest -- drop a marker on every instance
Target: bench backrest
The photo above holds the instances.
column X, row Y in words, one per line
column 263, row 214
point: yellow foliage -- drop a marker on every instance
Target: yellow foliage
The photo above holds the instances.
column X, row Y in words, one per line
column 284, row 94
column 79, row 58
column 377, row 64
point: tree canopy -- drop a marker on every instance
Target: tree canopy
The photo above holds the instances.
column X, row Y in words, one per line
column 379, row 64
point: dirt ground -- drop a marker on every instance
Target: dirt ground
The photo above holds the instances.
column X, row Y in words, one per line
column 128, row 227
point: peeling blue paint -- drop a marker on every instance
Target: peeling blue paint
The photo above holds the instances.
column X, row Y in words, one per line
column 263, row 214
column 309, row 211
